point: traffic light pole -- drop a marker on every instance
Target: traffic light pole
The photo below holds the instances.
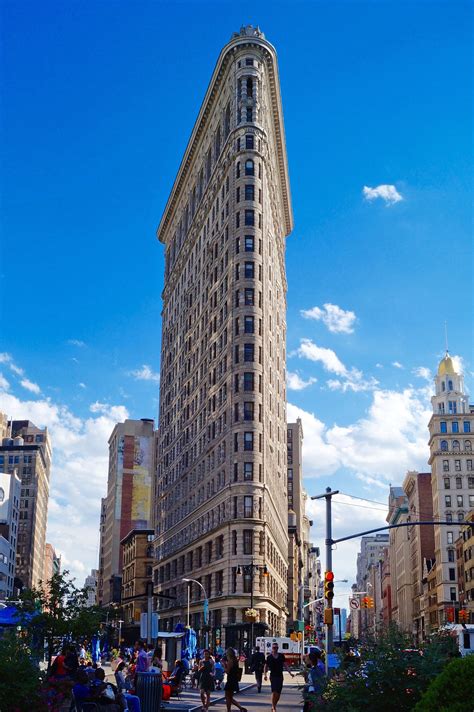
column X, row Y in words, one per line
column 329, row 542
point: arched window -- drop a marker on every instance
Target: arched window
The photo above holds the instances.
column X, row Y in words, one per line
column 467, row 445
column 444, row 445
column 456, row 445
column 450, row 385
column 249, row 167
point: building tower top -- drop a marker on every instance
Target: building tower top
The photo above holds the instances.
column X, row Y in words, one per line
column 449, row 398
column 446, row 366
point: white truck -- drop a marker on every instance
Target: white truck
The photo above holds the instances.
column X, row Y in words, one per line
column 464, row 635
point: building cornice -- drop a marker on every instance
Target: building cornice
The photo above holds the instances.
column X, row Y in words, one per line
column 200, row 125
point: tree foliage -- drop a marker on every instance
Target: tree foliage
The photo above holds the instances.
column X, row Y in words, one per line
column 390, row 675
column 20, row 678
column 452, row 690
column 57, row 610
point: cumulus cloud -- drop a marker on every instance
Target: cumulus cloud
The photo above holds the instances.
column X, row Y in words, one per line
column 145, row 373
column 397, row 364
column 82, row 385
column 337, row 320
column 350, row 379
column 4, row 385
column 388, row 193
column 423, row 372
column 296, row 383
column 78, row 473
column 30, row 386
column 379, row 447
column 76, row 342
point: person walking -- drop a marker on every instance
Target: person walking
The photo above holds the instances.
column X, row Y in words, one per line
column 206, row 679
column 231, row 666
column 276, row 663
column 257, row 663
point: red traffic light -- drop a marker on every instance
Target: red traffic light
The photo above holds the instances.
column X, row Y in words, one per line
column 329, row 576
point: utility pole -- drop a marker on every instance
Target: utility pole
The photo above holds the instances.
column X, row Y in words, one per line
column 329, row 542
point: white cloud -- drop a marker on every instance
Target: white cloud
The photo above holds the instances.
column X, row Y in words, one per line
column 16, row 369
column 388, row 193
column 4, row 357
column 76, row 342
column 397, row 364
column 4, row 385
column 378, row 365
column 308, row 349
column 78, row 474
column 458, row 363
column 423, row 372
column 296, row 383
column 337, row 320
column 381, row 446
column 30, row 386
column 116, row 412
column 145, row 373
column 350, row 379
column 82, row 385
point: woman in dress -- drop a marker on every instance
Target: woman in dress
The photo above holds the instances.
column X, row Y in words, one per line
column 231, row 666
column 206, row 679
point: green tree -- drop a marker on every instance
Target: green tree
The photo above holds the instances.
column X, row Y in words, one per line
column 20, row 678
column 452, row 690
column 390, row 675
column 57, row 610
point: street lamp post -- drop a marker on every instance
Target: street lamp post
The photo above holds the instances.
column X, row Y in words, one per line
column 249, row 569
column 206, row 606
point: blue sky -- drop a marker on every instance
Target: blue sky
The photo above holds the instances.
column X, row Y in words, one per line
column 97, row 105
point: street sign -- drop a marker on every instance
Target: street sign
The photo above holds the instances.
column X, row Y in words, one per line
column 154, row 625
column 354, row 603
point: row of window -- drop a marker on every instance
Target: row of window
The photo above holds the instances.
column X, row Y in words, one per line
column 457, row 466
column 455, row 426
column 459, row 485
column 15, row 459
column 448, row 500
column 249, row 193
column 249, row 218
column 456, row 445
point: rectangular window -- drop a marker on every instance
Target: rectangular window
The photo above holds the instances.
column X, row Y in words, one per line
column 449, row 537
column 248, row 471
column 443, row 427
column 458, row 482
column 445, row 465
column 249, row 352
column 236, row 354
column 248, row 441
column 249, row 113
column 248, row 506
column 236, row 412
column 451, row 555
column 237, row 195
column 249, row 192
column 250, row 245
column 248, row 541
column 249, row 297
column 249, row 218
column 248, row 381
column 449, row 517
column 237, row 219
column 249, row 142
column 452, row 574
column 248, row 62
column 447, row 500
column 469, row 465
column 459, row 500
column 236, row 472
column 467, row 426
column 452, row 593
column 471, row 501
column 447, row 483
column 249, row 408
column 457, row 465
column 470, row 482
column 249, row 325
column 452, row 406
column 249, row 270
column 455, row 426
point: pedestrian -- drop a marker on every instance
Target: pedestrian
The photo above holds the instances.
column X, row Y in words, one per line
column 257, row 663
column 276, row 663
column 206, row 679
column 231, row 666
column 142, row 657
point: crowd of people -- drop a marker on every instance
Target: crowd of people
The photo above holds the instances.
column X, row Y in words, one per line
column 205, row 673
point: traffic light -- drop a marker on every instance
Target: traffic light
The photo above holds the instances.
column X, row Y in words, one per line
column 329, row 585
column 463, row 615
column 328, row 616
column 370, row 602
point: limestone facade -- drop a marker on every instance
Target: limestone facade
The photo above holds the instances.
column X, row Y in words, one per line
column 221, row 497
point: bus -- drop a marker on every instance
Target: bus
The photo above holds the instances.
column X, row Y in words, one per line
column 291, row 649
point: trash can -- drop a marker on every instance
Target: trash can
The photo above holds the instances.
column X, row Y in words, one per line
column 148, row 687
